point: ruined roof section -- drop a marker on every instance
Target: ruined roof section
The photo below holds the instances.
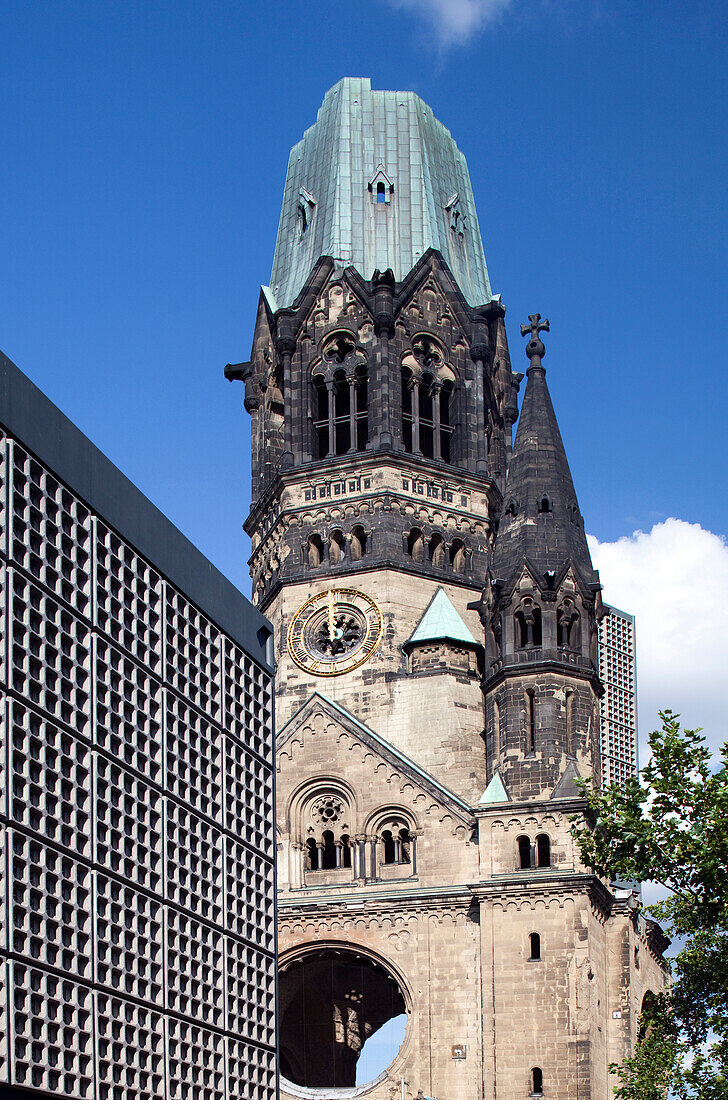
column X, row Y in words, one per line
column 361, row 138
column 541, row 520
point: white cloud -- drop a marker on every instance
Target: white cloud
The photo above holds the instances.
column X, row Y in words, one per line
column 454, row 21
column 674, row 580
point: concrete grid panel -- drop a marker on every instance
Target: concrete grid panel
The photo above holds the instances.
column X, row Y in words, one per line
column 129, row 1050
column 128, row 599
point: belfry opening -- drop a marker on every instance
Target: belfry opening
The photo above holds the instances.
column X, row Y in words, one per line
column 331, row 1001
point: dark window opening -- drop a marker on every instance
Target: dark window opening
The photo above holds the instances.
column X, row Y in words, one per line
column 407, row 411
column 536, row 1082
column 531, row 720
column 567, row 626
column 358, row 543
column 396, row 846
column 340, row 411
column 544, row 505
column 342, row 425
column 416, row 544
column 528, row 626
column 337, row 547
column 346, row 850
column 457, row 555
column 427, row 427
column 315, row 550
column 543, row 850
column 535, row 941
column 311, row 855
column 437, row 551
column 524, row 853
column 328, row 859
column 381, row 192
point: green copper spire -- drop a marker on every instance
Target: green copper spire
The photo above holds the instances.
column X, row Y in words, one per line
column 375, row 182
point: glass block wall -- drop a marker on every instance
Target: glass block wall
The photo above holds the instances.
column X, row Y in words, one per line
column 136, row 818
column 617, row 670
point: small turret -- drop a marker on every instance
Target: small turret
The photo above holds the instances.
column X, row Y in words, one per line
column 540, row 610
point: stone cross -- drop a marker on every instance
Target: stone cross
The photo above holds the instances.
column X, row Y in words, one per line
column 534, row 348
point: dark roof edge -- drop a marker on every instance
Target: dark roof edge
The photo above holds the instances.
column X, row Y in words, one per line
column 55, row 440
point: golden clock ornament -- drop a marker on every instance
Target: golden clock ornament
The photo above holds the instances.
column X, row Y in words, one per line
column 335, row 631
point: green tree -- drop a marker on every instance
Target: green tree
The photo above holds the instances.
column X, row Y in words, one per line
column 670, row 826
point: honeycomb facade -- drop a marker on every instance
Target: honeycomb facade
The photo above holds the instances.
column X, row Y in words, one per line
column 618, row 705
column 137, row 936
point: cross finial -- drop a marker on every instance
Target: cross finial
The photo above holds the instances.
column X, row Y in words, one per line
column 534, row 348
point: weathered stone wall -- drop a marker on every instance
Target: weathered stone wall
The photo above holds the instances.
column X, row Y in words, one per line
column 436, row 719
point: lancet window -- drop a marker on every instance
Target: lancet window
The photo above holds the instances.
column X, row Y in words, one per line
column 528, row 624
column 567, row 625
column 340, row 398
column 427, row 400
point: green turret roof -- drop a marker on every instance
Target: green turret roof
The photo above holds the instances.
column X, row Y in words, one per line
column 441, row 622
column 494, row 792
column 362, row 142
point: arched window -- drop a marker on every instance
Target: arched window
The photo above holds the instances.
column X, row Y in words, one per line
column 536, row 1082
column 403, row 843
column 358, row 543
column 346, row 850
column 311, row 855
column 416, row 544
column 543, row 850
column 320, row 417
column 342, row 411
column 337, row 547
column 328, row 860
column 381, row 192
column 340, row 399
column 528, row 624
column 427, row 392
column 524, row 853
column 437, row 551
column 535, row 944
column 388, row 847
column 544, row 504
column 567, row 625
column 315, row 550
column 457, row 555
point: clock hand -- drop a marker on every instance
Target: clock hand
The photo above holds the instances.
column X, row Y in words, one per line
column 332, row 620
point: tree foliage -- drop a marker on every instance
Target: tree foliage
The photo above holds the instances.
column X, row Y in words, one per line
column 670, row 826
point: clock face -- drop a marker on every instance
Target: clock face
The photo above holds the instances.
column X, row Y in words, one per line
column 335, row 631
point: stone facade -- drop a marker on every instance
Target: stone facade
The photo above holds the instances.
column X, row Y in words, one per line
column 424, row 794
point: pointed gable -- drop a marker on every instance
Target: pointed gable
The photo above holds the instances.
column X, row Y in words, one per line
column 318, row 709
column 441, row 622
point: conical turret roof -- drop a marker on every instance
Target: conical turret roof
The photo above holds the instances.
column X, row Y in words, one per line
column 541, row 520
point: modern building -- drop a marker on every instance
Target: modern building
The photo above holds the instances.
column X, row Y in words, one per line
column 436, row 617
column 618, row 705
column 137, row 932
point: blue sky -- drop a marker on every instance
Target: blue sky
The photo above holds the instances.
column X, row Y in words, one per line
column 144, row 152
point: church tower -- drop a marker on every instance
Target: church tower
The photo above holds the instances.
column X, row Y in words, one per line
column 435, row 612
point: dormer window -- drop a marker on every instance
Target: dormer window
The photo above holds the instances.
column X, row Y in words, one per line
column 381, row 187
